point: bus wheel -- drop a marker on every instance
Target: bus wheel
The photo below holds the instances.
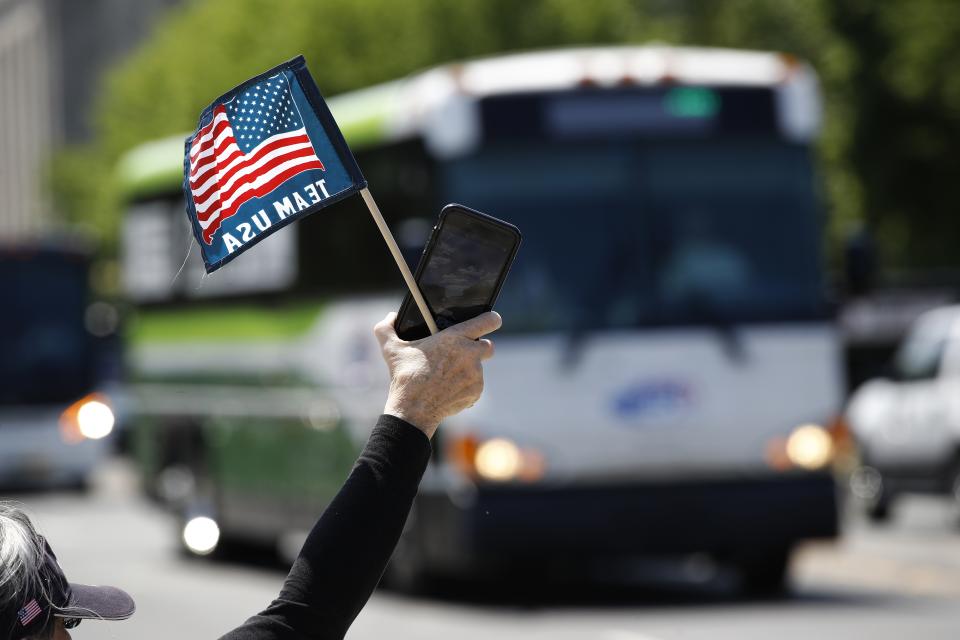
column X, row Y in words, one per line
column 868, row 485
column 764, row 573
column 878, row 510
column 954, row 487
column 78, row 484
column 878, row 506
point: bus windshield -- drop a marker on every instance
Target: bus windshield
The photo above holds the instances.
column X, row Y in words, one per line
column 47, row 355
column 629, row 233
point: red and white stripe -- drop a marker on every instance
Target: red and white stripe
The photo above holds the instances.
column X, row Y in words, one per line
column 222, row 177
column 29, row 612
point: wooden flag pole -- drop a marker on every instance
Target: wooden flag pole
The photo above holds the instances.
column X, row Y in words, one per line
column 398, row 257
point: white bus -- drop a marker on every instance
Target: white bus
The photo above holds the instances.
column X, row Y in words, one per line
column 667, row 365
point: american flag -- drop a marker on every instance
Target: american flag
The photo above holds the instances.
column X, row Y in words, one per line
column 255, row 142
column 30, row 611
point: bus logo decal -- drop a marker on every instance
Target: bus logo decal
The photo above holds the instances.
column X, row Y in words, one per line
column 652, row 399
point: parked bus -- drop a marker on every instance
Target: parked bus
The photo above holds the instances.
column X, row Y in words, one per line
column 667, row 370
column 60, row 360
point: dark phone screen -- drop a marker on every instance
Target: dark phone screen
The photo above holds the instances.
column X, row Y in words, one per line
column 461, row 275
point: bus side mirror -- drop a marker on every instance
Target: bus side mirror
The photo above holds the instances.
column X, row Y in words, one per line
column 860, row 262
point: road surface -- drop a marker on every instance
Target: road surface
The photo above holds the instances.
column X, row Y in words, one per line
column 897, row 582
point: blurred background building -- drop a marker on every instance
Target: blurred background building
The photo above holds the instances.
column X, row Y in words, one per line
column 52, row 55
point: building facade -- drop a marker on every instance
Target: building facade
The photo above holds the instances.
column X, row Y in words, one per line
column 53, row 54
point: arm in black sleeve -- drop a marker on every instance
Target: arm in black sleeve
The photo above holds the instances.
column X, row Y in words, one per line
column 345, row 554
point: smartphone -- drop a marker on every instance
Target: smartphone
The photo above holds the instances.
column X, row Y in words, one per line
column 461, row 270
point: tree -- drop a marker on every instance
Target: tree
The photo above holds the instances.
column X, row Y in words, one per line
column 905, row 94
column 203, row 48
column 893, row 103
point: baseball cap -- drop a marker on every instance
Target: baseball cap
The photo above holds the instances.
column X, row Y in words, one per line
column 56, row 597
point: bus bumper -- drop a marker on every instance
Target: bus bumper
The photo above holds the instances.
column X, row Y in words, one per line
column 505, row 523
column 34, row 454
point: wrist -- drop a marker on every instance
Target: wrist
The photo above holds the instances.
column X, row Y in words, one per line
column 413, row 415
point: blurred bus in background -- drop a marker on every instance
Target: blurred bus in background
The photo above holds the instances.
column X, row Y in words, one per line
column 60, row 359
column 667, row 370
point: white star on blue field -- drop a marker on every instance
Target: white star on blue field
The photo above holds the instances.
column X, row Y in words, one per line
column 263, row 110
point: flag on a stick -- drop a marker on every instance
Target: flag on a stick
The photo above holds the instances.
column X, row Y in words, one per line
column 264, row 154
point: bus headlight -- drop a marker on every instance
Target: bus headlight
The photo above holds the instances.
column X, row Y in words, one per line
column 88, row 418
column 95, row 420
column 496, row 459
column 201, row 535
column 810, row 446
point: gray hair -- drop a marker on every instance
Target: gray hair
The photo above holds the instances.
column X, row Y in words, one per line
column 21, row 557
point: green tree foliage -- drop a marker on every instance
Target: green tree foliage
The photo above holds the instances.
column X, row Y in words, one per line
column 207, row 47
column 893, row 103
column 904, row 129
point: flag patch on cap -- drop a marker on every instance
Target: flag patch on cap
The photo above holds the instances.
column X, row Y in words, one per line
column 29, row 612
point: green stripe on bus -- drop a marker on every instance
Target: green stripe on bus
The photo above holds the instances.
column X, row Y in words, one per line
column 223, row 324
column 152, row 169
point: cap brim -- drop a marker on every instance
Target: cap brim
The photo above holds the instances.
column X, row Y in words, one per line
column 97, row 603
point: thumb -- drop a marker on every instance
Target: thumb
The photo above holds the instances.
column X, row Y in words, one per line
column 480, row 326
column 384, row 330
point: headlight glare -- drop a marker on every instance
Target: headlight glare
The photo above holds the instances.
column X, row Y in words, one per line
column 498, row 459
column 89, row 418
column 201, row 535
column 95, row 420
column 810, row 447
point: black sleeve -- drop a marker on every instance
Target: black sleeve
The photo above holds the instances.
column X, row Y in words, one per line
column 345, row 554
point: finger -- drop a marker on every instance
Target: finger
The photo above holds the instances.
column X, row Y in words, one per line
column 480, row 326
column 487, row 348
column 473, row 352
column 384, row 329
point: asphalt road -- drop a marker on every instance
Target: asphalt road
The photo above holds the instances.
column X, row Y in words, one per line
column 897, row 582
